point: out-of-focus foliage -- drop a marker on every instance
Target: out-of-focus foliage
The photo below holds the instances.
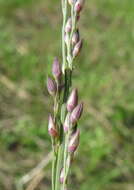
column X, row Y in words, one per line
column 30, row 34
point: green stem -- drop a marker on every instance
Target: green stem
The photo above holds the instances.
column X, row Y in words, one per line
column 65, row 160
column 56, row 142
column 64, row 11
column 68, row 168
column 53, row 170
column 58, row 169
column 68, row 83
column 53, row 163
column 67, row 74
column 59, row 154
column 73, row 17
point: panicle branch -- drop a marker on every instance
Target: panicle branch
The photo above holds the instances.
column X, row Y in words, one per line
column 63, row 125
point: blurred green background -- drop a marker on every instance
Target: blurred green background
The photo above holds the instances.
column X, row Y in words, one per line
column 30, row 34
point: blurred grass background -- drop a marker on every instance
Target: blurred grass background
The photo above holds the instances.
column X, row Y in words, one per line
column 29, row 40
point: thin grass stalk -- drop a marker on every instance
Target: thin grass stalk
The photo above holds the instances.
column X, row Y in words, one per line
column 70, row 60
column 64, row 65
column 64, row 12
column 67, row 111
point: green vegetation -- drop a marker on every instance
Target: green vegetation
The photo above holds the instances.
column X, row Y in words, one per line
column 29, row 40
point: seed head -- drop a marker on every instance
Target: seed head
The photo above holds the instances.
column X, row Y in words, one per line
column 52, row 127
column 76, row 113
column 72, row 100
column 51, row 86
column 77, row 48
column 66, row 123
column 79, row 5
column 56, row 69
column 75, row 37
column 74, row 141
column 68, row 26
